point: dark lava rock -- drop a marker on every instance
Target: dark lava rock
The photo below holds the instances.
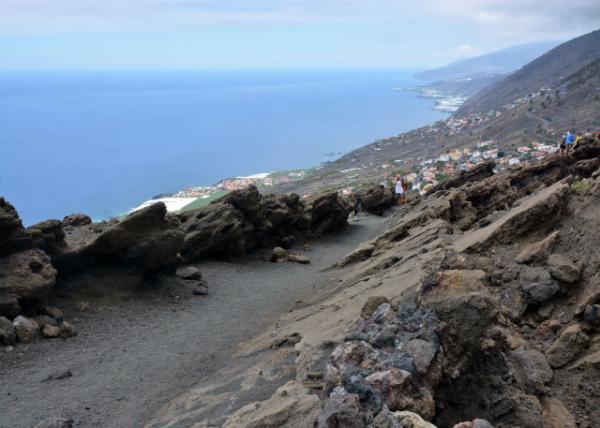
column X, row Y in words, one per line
column 28, row 274
column 76, row 220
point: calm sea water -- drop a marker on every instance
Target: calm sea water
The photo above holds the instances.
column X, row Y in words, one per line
column 103, row 142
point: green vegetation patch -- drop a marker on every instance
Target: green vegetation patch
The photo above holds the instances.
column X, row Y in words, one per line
column 581, row 186
column 202, row 202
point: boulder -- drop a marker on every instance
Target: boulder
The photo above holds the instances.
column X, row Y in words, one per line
column 26, row 329
column 48, row 235
column 422, row 353
column 391, row 385
column 377, row 199
column 279, row 254
column 530, row 368
column 371, row 305
column 342, row 410
column 28, row 274
column 50, row 331
column 217, row 230
column 563, row 269
column 148, row 239
column 9, row 305
column 76, row 220
column 7, row 332
column 571, row 342
column 67, row 330
column 328, row 213
column 537, row 285
column 188, row 273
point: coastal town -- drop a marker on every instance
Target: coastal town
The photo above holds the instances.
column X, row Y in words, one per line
column 422, row 172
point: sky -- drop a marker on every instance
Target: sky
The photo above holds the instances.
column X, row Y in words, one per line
column 276, row 34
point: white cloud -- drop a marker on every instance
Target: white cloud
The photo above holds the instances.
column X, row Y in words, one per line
column 524, row 19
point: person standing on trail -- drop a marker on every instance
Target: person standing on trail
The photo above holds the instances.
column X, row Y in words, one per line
column 398, row 190
column 569, row 140
column 404, row 189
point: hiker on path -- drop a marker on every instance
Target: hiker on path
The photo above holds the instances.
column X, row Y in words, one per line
column 398, row 191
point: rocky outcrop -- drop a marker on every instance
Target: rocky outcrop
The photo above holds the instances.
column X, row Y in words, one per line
column 469, row 311
column 245, row 220
column 377, row 200
column 48, row 236
column 28, row 275
column 76, row 220
column 148, row 239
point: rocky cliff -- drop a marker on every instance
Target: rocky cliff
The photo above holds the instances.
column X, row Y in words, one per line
column 478, row 307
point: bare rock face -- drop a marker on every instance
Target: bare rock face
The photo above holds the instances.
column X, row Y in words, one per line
column 12, row 232
column 48, row 235
column 148, row 239
column 571, row 342
column 28, row 274
column 328, row 213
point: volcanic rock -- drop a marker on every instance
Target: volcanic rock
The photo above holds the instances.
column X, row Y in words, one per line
column 563, row 269
column 188, row 273
column 48, row 235
column 279, row 254
column 9, row 305
column 26, row 329
column 67, row 330
column 76, row 220
column 571, row 342
column 28, row 274
column 7, row 332
column 377, row 199
column 50, row 331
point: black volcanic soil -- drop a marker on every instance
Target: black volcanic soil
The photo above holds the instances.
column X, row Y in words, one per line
column 138, row 350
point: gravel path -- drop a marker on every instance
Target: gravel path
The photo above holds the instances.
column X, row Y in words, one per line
column 134, row 355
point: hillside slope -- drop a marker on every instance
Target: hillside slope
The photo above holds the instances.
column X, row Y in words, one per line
column 479, row 302
column 546, row 71
column 559, row 91
column 499, row 62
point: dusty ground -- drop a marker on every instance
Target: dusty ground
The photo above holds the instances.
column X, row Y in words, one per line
column 135, row 352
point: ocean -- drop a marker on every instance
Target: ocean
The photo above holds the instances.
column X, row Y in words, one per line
column 103, row 142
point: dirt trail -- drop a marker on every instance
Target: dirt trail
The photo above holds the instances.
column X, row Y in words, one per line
column 133, row 357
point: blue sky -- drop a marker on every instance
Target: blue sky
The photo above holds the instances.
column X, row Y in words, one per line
column 272, row 34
